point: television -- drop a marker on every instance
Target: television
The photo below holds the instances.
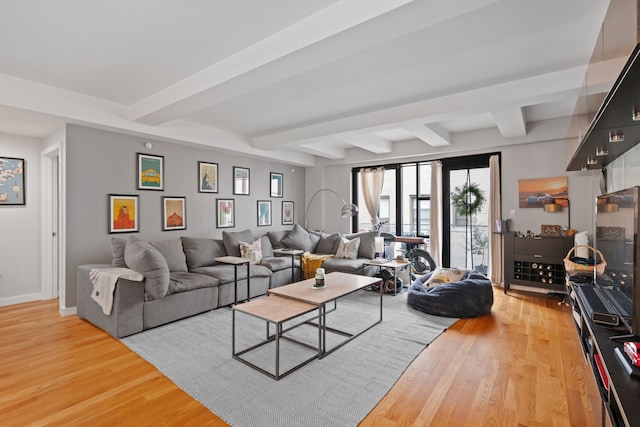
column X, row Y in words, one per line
column 617, row 239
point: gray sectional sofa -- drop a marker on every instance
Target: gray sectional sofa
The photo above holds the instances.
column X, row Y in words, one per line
column 182, row 278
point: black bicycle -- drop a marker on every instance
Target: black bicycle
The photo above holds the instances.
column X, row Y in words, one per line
column 421, row 262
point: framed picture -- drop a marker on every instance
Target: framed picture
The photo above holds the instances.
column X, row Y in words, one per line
column 12, row 190
column 207, row 177
column 264, row 213
column 225, row 213
column 150, row 172
column 174, row 213
column 240, row 181
column 276, row 184
column 536, row 192
column 550, row 230
column 287, row 213
column 124, row 213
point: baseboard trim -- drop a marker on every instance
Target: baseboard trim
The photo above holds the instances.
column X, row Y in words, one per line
column 20, row 299
column 68, row 311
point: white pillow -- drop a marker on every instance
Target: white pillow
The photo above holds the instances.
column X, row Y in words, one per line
column 348, row 249
column 441, row 276
column 251, row 251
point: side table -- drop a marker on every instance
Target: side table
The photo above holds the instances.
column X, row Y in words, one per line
column 236, row 261
column 293, row 253
column 392, row 265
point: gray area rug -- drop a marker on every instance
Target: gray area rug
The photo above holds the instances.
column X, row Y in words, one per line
column 338, row 390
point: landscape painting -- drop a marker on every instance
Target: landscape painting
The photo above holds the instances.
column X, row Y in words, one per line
column 537, row 192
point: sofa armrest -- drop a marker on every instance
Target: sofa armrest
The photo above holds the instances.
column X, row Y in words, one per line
column 128, row 300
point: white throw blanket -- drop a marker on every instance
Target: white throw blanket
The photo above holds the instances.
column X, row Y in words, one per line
column 104, row 283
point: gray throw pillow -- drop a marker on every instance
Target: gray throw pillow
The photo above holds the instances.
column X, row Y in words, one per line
column 117, row 250
column 328, row 243
column 172, row 252
column 231, row 239
column 146, row 260
column 201, row 252
column 267, row 249
column 299, row 238
column 276, row 238
column 367, row 243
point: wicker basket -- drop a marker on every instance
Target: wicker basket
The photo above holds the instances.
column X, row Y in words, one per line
column 570, row 265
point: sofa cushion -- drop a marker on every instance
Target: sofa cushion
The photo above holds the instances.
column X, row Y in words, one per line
column 183, row 282
column 251, row 251
column 275, row 237
column 355, row 266
column 201, row 251
column 231, row 238
column 328, row 243
column 117, row 250
column 367, row 243
column 173, row 253
column 148, row 261
column 348, row 248
column 276, row 263
column 299, row 238
column 267, row 248
column 226, row 272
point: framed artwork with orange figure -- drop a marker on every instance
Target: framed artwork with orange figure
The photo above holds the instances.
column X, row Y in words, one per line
column 123, row 213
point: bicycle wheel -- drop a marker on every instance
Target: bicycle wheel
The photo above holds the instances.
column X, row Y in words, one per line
column 421, row 262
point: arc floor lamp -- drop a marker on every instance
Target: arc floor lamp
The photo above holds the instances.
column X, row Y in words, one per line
column 348, row 209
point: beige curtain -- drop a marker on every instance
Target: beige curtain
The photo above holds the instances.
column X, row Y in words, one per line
column 372, row 180
column 435, row 232
column 496, row 261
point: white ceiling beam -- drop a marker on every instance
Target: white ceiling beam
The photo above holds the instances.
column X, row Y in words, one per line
column 372, row 143
column 541, row 88
column 323, row 150
column 510, row 121
column 219, row 82
column 433, row 133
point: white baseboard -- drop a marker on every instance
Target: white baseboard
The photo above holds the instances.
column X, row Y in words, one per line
column 68, row 311
column 20, row 299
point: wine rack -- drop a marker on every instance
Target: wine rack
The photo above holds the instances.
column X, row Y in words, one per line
column 536, row 261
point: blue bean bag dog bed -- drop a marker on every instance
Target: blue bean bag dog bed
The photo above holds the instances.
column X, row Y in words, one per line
column 470, row 296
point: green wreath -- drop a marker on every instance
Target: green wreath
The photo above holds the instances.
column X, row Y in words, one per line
column 468, row 199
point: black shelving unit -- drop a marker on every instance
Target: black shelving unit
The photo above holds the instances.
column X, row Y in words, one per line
column 535, row 261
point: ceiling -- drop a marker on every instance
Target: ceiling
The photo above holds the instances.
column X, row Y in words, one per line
column 292, row 80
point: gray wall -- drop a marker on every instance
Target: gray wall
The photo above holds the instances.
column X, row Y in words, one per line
column 20, row 227
column 102, row 162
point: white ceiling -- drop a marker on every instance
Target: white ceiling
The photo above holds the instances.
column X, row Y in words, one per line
column 294, row 79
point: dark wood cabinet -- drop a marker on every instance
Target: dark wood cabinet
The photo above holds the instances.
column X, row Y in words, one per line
column 535, row 261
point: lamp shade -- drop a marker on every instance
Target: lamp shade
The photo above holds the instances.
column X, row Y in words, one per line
column 349, row 210
column 379, row 244
column 553, row 207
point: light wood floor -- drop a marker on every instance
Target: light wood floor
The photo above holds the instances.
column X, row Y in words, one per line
column 520, row 366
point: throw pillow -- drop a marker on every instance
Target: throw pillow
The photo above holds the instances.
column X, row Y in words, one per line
column 200, row 251
column 117, row 250
column 140, row 256
column 173, row 253
column 348, row 248
column 367, row 243
column 231, row 239
column 299, row 238
column 251, row 251
column 328, row 243
column 441, row 276
column 276, row 238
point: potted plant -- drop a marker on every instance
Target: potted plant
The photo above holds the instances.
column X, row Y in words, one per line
column 467, row 201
